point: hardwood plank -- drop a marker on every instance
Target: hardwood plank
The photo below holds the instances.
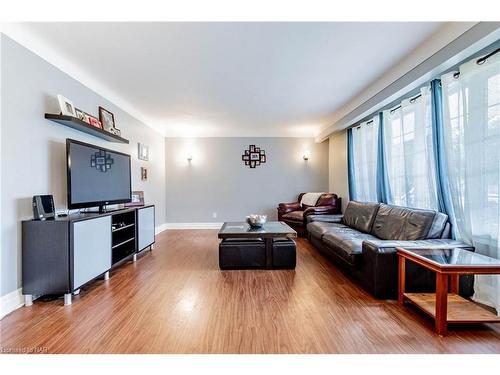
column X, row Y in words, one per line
column 176, row 300
column 460, row 310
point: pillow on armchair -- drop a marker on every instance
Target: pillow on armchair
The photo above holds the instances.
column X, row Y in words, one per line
column 310, row 199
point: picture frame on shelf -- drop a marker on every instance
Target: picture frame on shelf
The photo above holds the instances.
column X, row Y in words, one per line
column 79, row 114
column 107, row 119
column 86, row 117
column 137, row 199
column 94, row 122
column 66, row 106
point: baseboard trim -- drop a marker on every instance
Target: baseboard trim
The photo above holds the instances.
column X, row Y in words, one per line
column 160, row 228
column 193, row 225
column 10, row 302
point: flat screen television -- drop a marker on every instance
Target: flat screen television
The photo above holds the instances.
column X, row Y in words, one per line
column 96, row 176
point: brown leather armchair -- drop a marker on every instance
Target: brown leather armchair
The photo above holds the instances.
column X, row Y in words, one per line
column 295, row 214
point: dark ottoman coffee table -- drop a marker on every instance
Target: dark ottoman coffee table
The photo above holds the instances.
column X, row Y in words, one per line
column 268, row 247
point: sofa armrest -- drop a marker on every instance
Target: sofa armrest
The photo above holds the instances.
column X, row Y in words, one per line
column 284, row 208
column 389, row 246
column 380, row 264
column 320, row 210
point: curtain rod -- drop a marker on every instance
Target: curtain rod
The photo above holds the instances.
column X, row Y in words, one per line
column 412, row 100
column 480, row 61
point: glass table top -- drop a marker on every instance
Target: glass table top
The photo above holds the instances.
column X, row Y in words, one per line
column 455, row 257
column 271, row 228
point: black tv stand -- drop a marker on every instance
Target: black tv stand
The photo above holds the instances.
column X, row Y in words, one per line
column 64, row 254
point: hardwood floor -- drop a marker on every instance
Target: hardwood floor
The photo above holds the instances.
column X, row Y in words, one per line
column 176, row 300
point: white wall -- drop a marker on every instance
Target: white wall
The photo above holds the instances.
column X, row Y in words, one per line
column 217, row 180
column 337, row 166
column 33, row 149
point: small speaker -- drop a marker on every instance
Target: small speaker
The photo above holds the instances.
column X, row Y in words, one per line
column 43, row 207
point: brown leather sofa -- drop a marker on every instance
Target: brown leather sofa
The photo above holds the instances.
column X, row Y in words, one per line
column 363, row 243
column 295, row 214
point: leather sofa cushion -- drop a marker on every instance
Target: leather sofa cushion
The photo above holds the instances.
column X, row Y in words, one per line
column 319, row 228
column 326, row 218
column 296, row 216
column 360, row 215
column 346, row 242
column 402, row 223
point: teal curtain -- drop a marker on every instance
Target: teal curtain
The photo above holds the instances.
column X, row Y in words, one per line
column 443, row 189
column 383, row 188
column 350, row 167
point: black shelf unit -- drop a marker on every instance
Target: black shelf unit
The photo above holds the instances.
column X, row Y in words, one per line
column 78, row 124
column 61, row 255
column 123, row 236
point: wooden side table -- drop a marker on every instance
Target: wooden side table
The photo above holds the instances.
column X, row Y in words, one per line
column 446, row 306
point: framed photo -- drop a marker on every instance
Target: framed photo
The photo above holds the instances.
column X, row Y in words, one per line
column 144, row 174
column 257, row 149
column 252, row 164
column 251, row 148
column 247, row 162
column 245, row 157
column 86, row 117
column 257, row 162
column 94, row 122
column 137, row 199
column 107, row 119
column 66, row 106
column 247, row 152
column 262, row 152
column 254, row 156
column 262, row 158
column 79, row 114
column 142, row 151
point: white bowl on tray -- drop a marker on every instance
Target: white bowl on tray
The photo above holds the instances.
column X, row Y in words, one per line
column 256, row 221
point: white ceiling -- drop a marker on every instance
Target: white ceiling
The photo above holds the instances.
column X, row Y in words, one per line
column 234, row 79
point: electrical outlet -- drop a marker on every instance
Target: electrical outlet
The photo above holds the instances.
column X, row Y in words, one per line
column 214, row 215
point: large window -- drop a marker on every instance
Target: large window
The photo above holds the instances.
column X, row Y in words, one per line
column 409, row 153
column 449, row 146
column 471, row 120
column 364, row 161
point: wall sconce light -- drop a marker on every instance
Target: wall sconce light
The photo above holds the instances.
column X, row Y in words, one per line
column 307, row 155
column 189, row 158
